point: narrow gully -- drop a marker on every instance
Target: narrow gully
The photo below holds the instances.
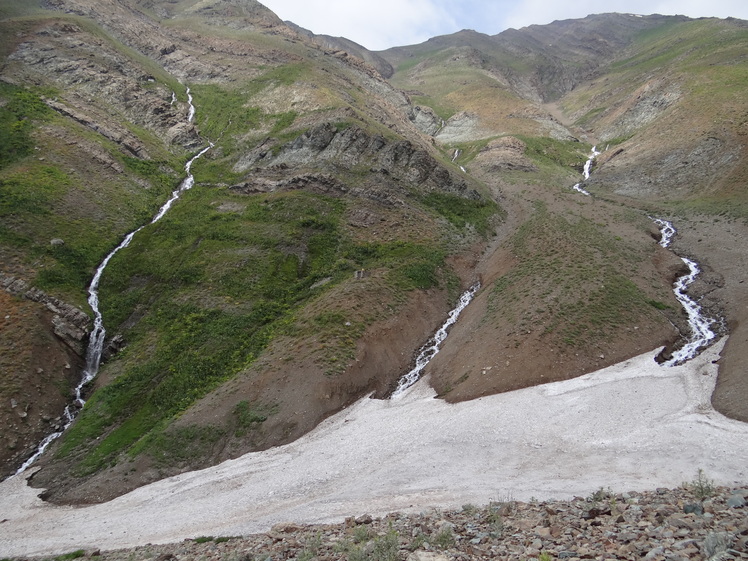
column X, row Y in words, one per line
column 431, row 348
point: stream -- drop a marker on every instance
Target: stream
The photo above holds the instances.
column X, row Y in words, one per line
column 98, row 333
column 454, row 158
column 586, row 172
column 429, row 350
column 702, row 334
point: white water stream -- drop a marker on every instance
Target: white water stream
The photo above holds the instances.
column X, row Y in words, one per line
column 457, row 155
column 587, row 169
column 429, row 350
column 98, row 333
column 702, row 334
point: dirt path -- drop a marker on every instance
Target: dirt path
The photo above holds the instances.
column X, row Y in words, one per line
column 556, row 440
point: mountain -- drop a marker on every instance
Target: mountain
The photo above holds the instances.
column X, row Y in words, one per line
column 338, row 215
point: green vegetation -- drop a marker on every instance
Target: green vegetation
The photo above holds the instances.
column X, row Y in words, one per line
column 72, row 555
column 204, row 539
column 158, row 173
column 32, row 191
column 247, row 416
column 444, row 538
column 551, row 153
column 224, row 111
column 578, row 269
column 17, row 114
column 209, row 286
column 411, row 265
column 363, row 548
column 283, row 121
column 461, row 211
column 702, row 487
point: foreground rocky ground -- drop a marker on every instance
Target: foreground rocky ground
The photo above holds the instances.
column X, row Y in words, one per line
column 695, row 521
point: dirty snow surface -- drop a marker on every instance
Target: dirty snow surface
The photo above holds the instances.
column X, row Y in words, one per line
column 632, row 426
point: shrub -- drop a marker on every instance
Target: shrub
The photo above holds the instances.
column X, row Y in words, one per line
column 702, row 487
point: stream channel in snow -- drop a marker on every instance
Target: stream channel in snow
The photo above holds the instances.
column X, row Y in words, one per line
column 98, row 333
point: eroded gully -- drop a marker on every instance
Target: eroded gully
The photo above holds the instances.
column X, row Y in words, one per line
column 700, row 325
column 702, row 335
column 97, row 336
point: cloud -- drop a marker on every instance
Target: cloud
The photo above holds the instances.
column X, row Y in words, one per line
column 381, row 24
column 376, row 25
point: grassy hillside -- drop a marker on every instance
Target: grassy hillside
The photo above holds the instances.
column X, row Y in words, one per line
column 327, row 236
column 232, row 270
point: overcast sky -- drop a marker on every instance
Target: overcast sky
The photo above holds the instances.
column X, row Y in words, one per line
column 380, row 24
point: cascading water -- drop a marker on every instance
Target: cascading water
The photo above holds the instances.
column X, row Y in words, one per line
column 429, row 350
column 191, row 112
column 98, row 333
column 702, row 334
column 586, row 172
column 457, row 155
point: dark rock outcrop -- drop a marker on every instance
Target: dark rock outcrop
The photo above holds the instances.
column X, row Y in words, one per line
column 69, row 324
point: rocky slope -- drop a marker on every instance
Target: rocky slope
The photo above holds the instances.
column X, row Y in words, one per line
column 338, row 215
column 691, row 522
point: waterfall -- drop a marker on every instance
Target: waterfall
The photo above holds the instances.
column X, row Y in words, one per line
column 98, row 333
column 429, row 350
column 457, row 155
column 191, row 112
column 702, row 334
column 586, row 171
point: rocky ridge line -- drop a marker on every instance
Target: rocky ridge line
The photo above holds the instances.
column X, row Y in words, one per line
column 696, row 521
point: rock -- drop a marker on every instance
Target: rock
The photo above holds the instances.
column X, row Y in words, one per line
column 69, row 323
column 506, row 153
column 286, row 528
column 693, row 508
column 425, row 119
column 716, row 543
column 427, row 556
column 736, row 501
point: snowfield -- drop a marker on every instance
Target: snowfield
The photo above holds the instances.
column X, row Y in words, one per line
column 632, row 426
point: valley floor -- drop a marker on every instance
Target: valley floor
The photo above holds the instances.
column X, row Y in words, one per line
column 632, row 426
